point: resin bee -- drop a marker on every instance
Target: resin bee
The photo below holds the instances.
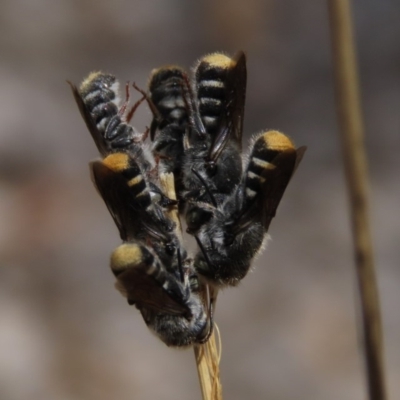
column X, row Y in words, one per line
column 99, row 104
column 167, row 298
column 136, row 205
column 170, row 117
column 212, row 165
column 236, row 230
column 127, row 163
column 151, row 267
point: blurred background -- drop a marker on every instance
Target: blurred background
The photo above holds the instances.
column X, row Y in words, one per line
column 290, row 331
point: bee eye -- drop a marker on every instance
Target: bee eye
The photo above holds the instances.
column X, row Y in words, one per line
column 195, row 218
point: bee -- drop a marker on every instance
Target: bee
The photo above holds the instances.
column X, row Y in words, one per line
column 170, row 117
column 168, row 299
column 98, row 101
column 136, row 205
column 152, row 268
column 124, row 154
column 212, row 164
column 237, row 229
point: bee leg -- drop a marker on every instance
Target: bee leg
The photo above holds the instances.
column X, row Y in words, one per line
column 152, row 107
column 122, row 109
column 134, row 107
column 205, row 255
column 162, row 199
column 206, row 187
column 141, row 137
column 145, row 133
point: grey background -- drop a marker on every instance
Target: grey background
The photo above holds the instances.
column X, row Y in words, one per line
column 290, row 330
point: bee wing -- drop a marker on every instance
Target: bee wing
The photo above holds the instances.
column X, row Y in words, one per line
column 267, row 179
column 143, row 279
column 231, row 127
column 115, row 192
column 277, row 180
column 146, row 291
column 90, row 123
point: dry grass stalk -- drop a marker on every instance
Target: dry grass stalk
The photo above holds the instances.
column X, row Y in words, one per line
column 207, row 355
column 207, row 361
column 350, row 118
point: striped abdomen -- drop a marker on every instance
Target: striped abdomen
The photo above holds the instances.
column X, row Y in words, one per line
column 211, row 74
column 122, row 164
column 146, row 282
column 166, row 86
column 267, row 164
column 99, row 93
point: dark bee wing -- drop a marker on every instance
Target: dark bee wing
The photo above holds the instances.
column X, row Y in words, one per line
column 276, row 181
column 231, row 126
column 143, row 290
column 125, row 201
column 114, row 191
column 300, row 154
column 272, row 163
column 145, row 282
column 90, row 123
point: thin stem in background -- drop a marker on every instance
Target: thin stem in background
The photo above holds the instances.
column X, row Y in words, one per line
column 351, row 124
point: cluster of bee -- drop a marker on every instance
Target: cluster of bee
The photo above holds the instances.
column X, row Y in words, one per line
column 228, row 199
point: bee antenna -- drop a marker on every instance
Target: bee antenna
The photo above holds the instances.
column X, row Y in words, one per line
column 180, row 266
column 203, row 250
column 201, row 179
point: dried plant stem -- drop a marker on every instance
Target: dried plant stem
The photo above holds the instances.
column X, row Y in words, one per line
column 207, row 355
column 207, row 361
column 168, row 187
column 350, row 118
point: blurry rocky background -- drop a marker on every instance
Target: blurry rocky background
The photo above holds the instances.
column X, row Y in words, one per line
column 290, row 330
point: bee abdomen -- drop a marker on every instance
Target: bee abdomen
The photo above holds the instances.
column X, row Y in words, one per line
column 118, row 129
column 172, row 108
column 266, row 147
column 211, row 75
column 102, row 115
column 126, row 166
column 166, row 86
column 133, row 255
column 99, row 93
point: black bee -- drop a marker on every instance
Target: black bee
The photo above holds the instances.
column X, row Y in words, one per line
column 152, row 268
column 168, row 298
column 170, row 117
column 236, row 230
column 125, row 155
column 99, row 103
column 212, row 166
column 136, row 205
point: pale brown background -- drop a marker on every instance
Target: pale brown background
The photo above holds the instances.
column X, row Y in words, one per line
column 289, row 331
